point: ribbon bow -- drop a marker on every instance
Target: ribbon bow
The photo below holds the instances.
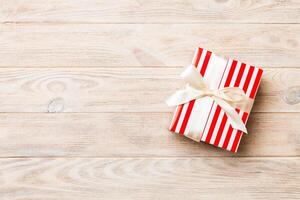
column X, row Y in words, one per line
column 228, row 98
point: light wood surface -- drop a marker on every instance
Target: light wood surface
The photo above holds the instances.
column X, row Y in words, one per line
column 145, row 45
column 153, row 178
column 82, row 90
column 138, row 89
column 150, row 11
column 135, row 134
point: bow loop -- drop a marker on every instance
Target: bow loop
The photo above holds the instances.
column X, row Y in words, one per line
column 193, row 77
column 229, row 98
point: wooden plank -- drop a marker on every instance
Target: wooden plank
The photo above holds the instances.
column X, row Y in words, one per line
column 140, row 178
column 123, row 89
column 99, row 45
column 135, row 134
column 151, row 11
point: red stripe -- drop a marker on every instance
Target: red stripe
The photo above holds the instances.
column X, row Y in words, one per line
column 186, row 117
column 239, row 77
column 226, row 141
column 216, row 114
column 205, row 63
column 244, row 118
column 180, row 107
column 220, row 131
column 177, row 115
column 191, row 103
column 213, row 124
column 255, row 85
column 247, row 81
column 199, row 53
column 230, row 74
column 238, row 135
column 227, row 83
column 245, row 115
column 236, row 84
column 236, row 141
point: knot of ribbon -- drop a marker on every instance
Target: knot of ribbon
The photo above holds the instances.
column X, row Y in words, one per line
column 228, row 98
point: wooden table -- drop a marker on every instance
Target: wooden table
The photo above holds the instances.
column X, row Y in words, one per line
column 82, row 90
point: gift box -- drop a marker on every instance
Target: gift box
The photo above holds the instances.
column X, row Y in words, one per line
column 203, row 119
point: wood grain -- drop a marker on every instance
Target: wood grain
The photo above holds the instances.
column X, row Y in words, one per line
column 82, row 90
column 151, row 11
column 135, row 134
column 139, row 178
column 154, row 45
column 122, row 89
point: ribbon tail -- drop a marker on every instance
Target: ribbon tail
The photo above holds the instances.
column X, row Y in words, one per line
column 233, row 117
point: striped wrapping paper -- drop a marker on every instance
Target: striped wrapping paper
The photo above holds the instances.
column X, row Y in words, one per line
column 202, row 119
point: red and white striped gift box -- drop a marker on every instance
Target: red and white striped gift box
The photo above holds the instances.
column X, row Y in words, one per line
column 202, row 119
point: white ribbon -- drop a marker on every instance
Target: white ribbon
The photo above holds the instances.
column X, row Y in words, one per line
column 228, row 98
